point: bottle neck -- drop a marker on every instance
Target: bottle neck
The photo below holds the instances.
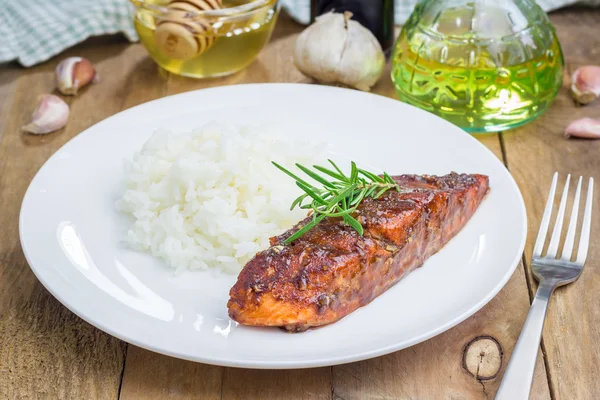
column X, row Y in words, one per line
column 375, row 15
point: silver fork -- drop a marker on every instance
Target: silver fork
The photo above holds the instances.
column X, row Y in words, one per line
column 551, row 272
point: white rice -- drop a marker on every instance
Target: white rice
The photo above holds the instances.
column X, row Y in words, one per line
column 211, row 198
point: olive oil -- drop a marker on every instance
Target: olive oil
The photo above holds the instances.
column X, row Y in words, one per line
column 469, row 67
column 234, row 41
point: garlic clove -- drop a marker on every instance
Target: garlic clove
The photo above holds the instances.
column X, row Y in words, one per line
column 586, row 128
column 319, row 48
column 336, row 49
column 50, row 115
column 73, row 73
column 362, row 60
column 585, row 84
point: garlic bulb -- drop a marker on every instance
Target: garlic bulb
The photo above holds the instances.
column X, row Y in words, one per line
column 73, row 73
column 50, row 115
column 336, row 49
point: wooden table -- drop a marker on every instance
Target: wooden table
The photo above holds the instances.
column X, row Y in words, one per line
column 48, row 352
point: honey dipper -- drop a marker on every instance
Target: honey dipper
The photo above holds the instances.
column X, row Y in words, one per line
column 182, row 36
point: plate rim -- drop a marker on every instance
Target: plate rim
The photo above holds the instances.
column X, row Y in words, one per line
column 44, row 278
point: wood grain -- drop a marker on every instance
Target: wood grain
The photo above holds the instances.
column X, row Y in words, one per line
column 45, row 350
column 305, row 384
column 235, row 383
column 150, row 375
column 8, row 83
column 439, row 361
column 401, row 375
column 434, row 369
column 534, row 152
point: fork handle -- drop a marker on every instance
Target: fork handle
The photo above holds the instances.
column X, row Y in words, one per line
column 516, row 383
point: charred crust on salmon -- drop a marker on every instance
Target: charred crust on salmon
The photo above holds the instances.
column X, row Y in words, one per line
column 331, row 270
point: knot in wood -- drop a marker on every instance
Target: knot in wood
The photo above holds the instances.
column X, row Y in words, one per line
column 482, row 358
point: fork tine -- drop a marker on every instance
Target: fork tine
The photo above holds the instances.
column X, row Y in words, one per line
column 560, row 217
column 584, row 240
column 541, row 237
column 567, row 250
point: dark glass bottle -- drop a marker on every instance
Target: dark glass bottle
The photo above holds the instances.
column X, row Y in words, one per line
column 375, row 15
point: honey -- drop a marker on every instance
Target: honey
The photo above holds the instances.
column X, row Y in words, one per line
column 208, row 46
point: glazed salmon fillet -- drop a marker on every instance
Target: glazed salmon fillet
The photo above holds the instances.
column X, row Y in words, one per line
column 331, row 270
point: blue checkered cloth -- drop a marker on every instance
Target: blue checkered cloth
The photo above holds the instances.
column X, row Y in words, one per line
column 32, row 31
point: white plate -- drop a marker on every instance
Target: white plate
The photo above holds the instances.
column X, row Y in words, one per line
column 73, row 237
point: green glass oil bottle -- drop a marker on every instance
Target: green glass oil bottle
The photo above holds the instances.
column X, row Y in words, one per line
column 484, row 65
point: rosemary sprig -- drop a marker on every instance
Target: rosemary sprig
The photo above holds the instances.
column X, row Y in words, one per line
column 339, row 194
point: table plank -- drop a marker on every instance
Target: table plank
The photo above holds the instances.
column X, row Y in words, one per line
column 439, row 361
column 534, row 152
column 273, row 65
column 8, row 84
column 434, row 369
column 304, row 384
column 150, row 375
column 401, row 375
column 54, row 354
column 46, row 351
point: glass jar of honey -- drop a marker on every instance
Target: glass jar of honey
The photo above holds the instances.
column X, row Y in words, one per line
column 204, row 38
